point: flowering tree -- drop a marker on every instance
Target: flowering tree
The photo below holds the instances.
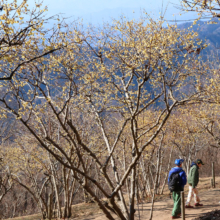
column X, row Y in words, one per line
column 202, row 7
column 84, row 103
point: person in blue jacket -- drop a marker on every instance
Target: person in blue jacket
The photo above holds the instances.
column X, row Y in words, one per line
column 176, row 194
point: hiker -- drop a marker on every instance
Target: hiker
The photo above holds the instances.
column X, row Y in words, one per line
column 176, row 183
column 193, row 180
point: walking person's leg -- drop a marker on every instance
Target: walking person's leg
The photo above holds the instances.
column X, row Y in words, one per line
column 196, row 197
column 189, row 198
column 177, row 204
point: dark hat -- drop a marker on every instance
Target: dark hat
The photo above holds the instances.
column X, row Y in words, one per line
column 198, row 161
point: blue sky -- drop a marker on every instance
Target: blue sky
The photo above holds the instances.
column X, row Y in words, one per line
column 98, row 11
column 83, row 7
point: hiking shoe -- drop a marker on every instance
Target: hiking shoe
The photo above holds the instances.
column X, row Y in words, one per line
column 188, row 206
column 174, row 217
column 198, row 204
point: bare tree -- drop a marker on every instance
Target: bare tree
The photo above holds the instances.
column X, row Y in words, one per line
column 79, row 103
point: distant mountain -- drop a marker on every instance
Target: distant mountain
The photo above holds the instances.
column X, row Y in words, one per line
column 207, row 31
column 108, row 14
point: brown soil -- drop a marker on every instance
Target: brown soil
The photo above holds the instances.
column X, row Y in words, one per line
column 162, row 207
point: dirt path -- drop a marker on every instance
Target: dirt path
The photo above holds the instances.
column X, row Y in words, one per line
column 162, row 210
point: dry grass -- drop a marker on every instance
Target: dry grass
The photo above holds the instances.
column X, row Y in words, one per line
column 78, row 211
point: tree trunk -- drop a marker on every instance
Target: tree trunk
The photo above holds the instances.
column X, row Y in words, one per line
column 50, row 206
column 156, row 178
column 168, row 168
column 55, row 186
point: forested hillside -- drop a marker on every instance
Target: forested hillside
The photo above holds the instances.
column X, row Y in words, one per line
column 208, row 30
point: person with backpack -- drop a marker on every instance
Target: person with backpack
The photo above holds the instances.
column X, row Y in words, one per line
column 176, row 183
column 193, row 180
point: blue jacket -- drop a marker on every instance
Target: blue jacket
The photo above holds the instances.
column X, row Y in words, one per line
column 182, row 175
column 192, row 164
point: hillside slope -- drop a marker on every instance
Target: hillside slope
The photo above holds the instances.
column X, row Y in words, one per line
column 206, row 31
